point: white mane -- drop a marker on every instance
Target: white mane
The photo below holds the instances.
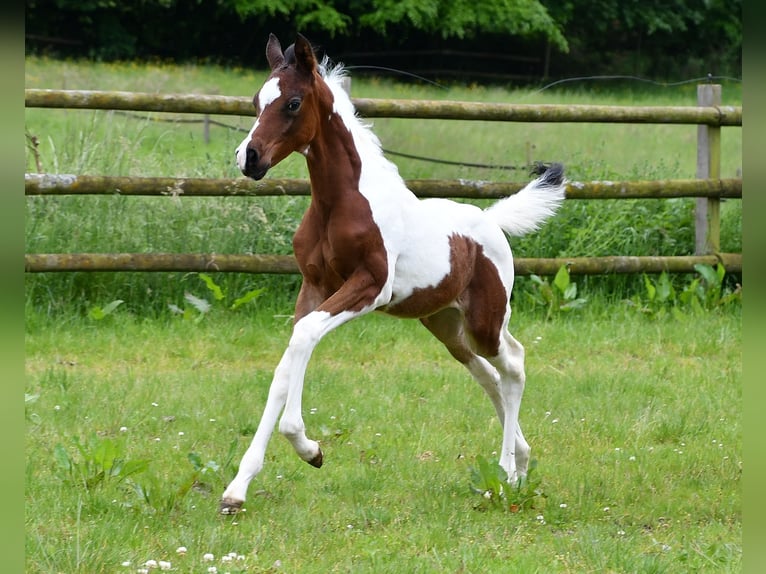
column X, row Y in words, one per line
column 367, row 143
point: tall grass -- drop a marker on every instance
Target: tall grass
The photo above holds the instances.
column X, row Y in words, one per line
column 98, row 142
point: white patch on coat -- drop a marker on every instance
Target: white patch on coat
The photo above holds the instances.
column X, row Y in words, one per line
column 269, row 92
column 408, row 223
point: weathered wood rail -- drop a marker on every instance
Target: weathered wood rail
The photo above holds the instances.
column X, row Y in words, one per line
column 66, row 184
column 709, row 115
column 62, row 262
column 394, row 108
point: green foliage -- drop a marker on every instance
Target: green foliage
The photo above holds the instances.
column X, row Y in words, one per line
column 307, row 14
column 98, row 461
column 490, row 481
column 97, row 313
column 705, row 292
column 652, row 34
column 461, row 19
column 560, row 296
column 198, row 307
column 618, row 37
column 158, row 494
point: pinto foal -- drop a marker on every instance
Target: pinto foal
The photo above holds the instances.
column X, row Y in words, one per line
column 366, row 243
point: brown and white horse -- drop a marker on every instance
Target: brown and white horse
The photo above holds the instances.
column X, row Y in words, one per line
column 366, row 243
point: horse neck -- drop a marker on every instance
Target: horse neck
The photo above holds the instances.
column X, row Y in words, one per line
column 333, row 161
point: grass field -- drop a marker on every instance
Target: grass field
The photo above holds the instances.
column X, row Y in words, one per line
column 635, row 425
column 136, row 416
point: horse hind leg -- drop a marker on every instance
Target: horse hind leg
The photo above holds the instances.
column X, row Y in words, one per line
column 509, row 363
column 486, row 326
column 447, row 327
column 501, row 375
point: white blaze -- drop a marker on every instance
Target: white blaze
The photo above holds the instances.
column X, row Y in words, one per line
column 269, row 92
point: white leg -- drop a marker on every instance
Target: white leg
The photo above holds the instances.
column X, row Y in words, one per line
column 489, row 379
column 510, row 365
column 522, row 452
column 285, row 391
column 252, row 461
column 503, row 390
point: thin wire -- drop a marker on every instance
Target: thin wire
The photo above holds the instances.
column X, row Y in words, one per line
column 401, row 72
column 707, row 78
column 458, row 163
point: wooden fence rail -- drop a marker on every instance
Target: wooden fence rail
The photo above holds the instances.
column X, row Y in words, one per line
column 708, row 115
column 377, row 108
column 64, row 184
column 62, row 262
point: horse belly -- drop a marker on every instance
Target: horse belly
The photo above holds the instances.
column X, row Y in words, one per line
column 429, row 280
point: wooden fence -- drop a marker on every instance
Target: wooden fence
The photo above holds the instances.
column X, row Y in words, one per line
column 709, row 115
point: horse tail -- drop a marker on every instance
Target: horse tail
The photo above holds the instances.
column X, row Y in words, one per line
column 526, row 210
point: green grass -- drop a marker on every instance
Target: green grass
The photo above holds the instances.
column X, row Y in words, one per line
column 635, row 425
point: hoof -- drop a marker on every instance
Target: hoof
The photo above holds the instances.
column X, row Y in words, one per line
column 316, row 462
column 230, row 506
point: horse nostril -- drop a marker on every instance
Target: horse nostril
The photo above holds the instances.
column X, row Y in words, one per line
column 251, row 157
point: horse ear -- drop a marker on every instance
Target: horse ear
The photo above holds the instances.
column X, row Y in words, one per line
column 274, row 52
column 304, row 55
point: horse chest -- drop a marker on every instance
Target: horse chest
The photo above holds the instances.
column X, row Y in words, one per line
column 330, row 248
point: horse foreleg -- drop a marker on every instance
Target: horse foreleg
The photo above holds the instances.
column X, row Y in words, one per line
column 252, row 461
column 285, row 392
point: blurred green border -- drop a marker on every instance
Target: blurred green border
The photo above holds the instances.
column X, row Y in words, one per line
column 754, row 318
column 12, row 299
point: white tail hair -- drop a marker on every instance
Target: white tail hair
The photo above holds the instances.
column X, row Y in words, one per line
column 527, row 210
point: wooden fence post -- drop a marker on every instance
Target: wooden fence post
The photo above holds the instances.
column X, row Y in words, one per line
column 708, row 210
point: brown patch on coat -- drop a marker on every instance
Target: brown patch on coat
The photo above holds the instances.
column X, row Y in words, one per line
column 338, row 245
column 473, row 286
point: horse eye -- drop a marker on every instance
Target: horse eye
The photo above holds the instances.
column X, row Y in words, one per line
column 294, row 105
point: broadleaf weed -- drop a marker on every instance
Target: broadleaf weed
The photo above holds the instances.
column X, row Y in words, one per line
column 557, row 296
column 705, row 292
column 490, row 481
column 98, row 313
column 198, row 307
column 100, row 460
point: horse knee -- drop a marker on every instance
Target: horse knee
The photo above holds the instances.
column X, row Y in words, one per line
column 289, row 427
column 513, row 360
column 306, row 332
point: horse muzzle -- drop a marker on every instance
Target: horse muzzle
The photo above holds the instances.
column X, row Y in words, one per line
column 251, row 163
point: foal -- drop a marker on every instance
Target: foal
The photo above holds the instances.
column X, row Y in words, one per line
column 367, row 243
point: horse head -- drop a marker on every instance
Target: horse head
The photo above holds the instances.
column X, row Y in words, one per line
column 287, row 108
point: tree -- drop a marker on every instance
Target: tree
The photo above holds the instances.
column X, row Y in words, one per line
column 446, row 18
column 672, row 38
